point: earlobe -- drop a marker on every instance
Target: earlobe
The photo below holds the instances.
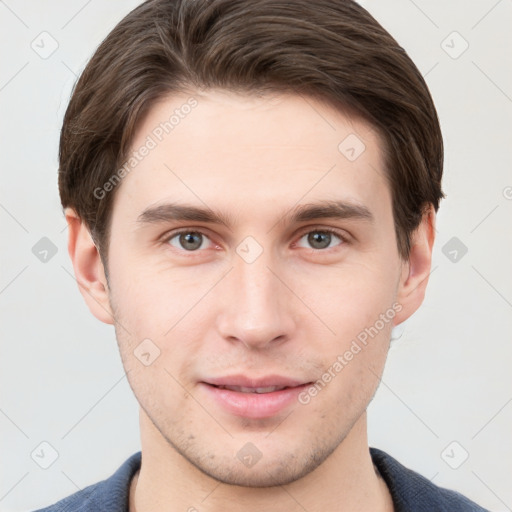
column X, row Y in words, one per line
column 416, row 272
column 88, row 267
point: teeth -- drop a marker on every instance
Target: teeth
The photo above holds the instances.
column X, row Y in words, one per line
column 242, row 389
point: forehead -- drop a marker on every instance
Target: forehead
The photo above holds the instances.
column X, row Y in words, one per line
column 251, row 154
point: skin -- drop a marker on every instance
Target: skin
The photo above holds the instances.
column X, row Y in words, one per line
column 290, row 312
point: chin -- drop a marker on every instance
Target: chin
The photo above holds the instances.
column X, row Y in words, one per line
column 256, row 477
column 264, row 470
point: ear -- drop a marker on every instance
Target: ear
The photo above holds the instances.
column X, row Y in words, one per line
column 89, row 271
column 416, row 271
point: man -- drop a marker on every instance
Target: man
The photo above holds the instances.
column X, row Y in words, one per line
column 251, row 190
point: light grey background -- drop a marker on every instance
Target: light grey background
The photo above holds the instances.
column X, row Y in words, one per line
column 447, row 378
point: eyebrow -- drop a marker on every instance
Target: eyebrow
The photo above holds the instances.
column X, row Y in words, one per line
column 302, row 213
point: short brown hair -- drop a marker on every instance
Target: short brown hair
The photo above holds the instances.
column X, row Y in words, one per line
column 333, row 50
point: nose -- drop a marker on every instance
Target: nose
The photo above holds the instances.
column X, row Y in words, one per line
column 255, row 306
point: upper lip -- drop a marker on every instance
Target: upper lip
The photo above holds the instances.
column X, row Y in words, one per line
column 255, row 382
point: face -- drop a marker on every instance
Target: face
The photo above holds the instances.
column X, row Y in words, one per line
column 250, row 252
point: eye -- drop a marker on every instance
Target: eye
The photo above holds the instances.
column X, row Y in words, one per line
column 320, row 239
column 188, row 240
column 193, row 241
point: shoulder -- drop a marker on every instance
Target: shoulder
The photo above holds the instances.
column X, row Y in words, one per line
column 110, row 494
column 413, row 492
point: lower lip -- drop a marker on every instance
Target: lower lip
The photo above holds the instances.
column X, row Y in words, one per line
column 254, row 405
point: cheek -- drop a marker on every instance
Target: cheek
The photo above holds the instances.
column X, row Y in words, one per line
column 357, row 306
column 350, row 376
column 349, row 298
column 161, row 316
column 152, row 301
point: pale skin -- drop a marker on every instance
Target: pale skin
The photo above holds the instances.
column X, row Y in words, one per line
column 290, row 312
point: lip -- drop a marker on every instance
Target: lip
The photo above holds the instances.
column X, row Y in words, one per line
column 253, row 405
column 255, row 382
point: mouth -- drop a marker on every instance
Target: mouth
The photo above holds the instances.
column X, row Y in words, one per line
column 242, row 389
column 253, row 398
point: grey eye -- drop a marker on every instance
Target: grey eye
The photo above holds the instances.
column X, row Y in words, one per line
column 188, row 240
column 320, row 239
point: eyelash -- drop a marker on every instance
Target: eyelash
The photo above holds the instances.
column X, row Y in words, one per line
column 344, row 238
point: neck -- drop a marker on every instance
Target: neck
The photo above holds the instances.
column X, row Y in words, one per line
column 346, row 481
